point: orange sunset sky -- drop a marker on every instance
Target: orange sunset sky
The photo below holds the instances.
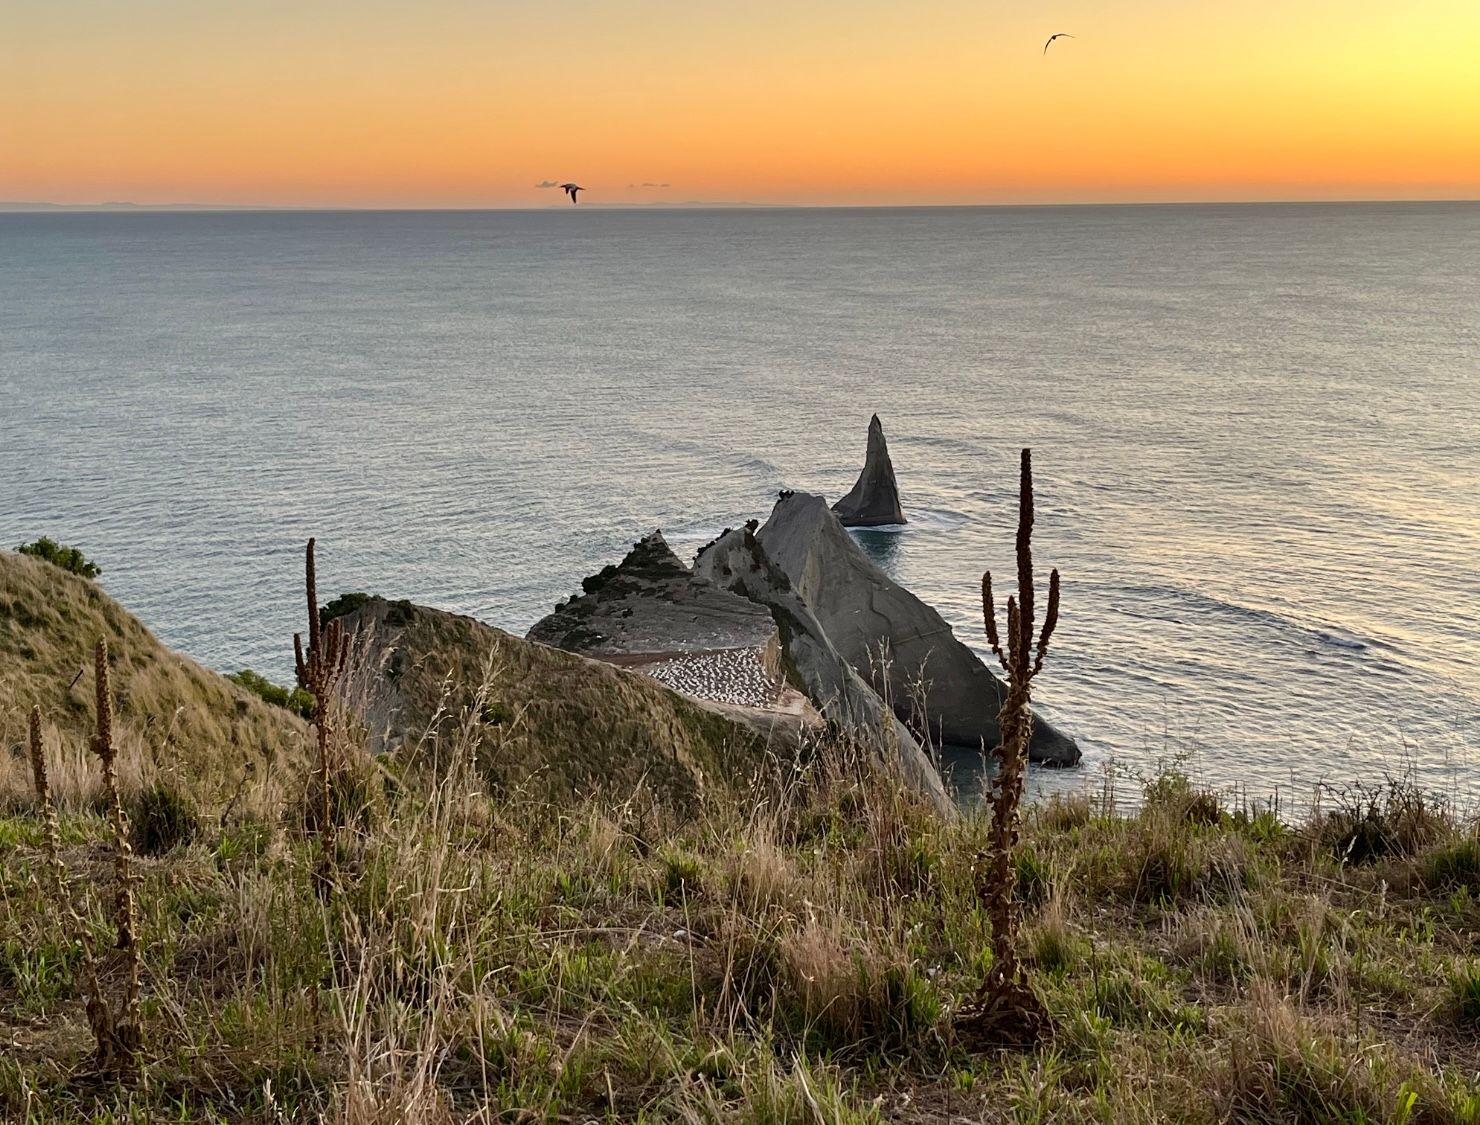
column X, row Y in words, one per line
column 452, row 103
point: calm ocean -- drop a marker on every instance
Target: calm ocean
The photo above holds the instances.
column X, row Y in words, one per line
column 1256, row 431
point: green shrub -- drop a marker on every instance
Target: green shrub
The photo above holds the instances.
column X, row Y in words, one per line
column 39, row 974
column 1181, row 861
column 245, row 839
column 342, row 605
column 68, row 558
column 400, row 612
column 1034, row 878
column 1172, row 791
column 1139, row 995
column 494, row 714
column 296, row 700
column 1454, row 866
column 1288, row 1069
column 682, row 874
column 1053, row 946
column 1065, row 813
column 1373, row 823
column 161, row 819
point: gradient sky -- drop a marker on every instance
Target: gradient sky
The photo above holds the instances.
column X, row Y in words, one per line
column 462, row 103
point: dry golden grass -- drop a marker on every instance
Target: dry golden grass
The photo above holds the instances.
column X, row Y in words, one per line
column 172, row 717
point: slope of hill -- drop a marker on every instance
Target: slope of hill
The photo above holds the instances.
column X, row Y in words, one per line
column 171, row 715
column 544, row 721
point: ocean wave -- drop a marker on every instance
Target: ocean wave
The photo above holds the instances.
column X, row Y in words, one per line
column 932, row 519
column 1167, row 601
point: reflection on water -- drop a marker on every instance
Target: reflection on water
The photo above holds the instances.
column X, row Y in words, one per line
column 967, row 774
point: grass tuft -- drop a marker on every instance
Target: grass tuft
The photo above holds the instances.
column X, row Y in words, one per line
column 161, row 819
column 1465, row 986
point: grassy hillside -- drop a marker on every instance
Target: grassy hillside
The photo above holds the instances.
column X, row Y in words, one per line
column 561, row 922
column 542, row 722
column 794, row 959
column 173, row 716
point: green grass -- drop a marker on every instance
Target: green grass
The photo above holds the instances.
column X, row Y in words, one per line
column 539, row 722
column 778, row 955
column 565, row 894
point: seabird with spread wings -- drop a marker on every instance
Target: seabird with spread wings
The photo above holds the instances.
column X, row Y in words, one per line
column 1051, row 38
column 571, row 189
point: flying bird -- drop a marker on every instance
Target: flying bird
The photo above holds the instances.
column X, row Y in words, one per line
column 1051, row 38
column 571, row 189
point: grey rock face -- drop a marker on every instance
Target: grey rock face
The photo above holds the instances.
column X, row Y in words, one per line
column 902, row 646
column 652, row 603
column 737, row 562
column 874, row 499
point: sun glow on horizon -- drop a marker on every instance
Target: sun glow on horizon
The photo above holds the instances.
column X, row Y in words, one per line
column 452, row 103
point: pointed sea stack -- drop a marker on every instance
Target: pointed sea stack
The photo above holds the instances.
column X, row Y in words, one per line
column 874, row 500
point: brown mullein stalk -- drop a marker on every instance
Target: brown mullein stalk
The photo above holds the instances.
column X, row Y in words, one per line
column 55, row 866
column 1006, row 1009
column 127, row 1034
column 318, row 670
column 98, row 1015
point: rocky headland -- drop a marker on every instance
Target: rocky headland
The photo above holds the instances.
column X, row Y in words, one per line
column 796, row 603
column 808, row 659
column 896, row 642
column 538, row 719
column 651, row 614
column 651, row 604
column 732, row 633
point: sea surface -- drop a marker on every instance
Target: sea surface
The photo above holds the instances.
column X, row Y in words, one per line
column 1256, row 434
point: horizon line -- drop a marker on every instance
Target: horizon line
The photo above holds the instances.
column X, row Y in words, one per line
column 123, row 206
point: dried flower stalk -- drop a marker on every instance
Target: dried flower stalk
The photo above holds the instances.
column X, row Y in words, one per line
column 119, row 1047
column 1006, row 1009
column 318, row 670
column 61, row 887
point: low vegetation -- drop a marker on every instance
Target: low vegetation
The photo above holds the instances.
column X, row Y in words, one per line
column 173, row 720
column 295, row 700
column 793, row 951
column 69, row 559
column 539, row 722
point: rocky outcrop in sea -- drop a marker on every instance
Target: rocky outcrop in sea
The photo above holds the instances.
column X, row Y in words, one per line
column 652, row 604
column 873, row 501
column 768, row 615
column 736, row 561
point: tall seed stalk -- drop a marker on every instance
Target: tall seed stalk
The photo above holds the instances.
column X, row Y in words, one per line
column 1005, row 1008
column 99, row 1015
column 123, row 1033
column 318, row 670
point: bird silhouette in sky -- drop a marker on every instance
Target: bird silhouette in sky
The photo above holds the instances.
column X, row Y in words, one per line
column 1051, row 38
column 571, row 189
